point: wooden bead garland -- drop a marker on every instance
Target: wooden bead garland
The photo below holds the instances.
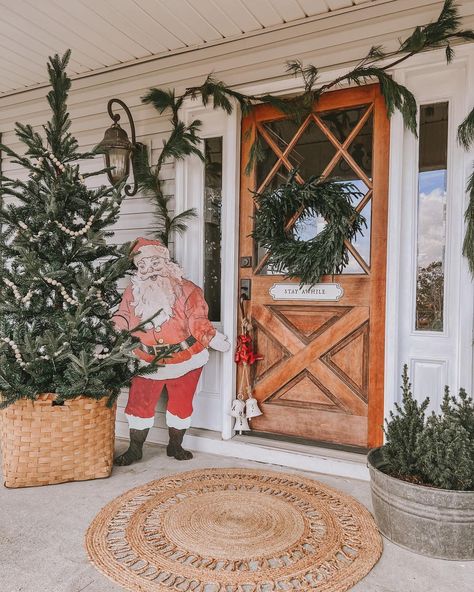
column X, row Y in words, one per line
column 26, row 298
column 58, row 164
column 15, row 349
column 76, row 233
column 62, row 289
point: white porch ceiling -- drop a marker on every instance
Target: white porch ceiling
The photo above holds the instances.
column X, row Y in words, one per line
column 105, row 33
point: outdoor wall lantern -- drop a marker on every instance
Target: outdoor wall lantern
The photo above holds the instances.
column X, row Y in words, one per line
column 119, row 151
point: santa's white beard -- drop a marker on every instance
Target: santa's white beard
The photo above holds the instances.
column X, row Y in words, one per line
column 152, row 295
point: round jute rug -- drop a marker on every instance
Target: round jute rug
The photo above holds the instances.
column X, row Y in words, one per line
column 234, row 530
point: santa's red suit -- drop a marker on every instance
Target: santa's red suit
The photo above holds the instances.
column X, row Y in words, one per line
column 158, row 285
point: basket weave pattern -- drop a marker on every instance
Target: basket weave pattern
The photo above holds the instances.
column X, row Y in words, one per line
column 43, row 444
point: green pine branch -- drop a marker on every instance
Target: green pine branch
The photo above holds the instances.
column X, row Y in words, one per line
column 468, row 243
column 466, row 131
column 149, row 181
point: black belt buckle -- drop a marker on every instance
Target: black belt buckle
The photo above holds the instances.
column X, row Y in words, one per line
column 157, row 349
column 187, row 343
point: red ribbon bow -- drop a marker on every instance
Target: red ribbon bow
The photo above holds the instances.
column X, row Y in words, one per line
column 244, row 353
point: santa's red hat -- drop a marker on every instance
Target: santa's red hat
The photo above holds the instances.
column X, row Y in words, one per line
column 145, row 247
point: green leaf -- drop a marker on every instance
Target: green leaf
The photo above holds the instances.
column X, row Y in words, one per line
column 466, row 131
column 468, row 244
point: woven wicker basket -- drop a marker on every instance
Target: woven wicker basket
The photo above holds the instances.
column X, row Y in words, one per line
column 43, row 444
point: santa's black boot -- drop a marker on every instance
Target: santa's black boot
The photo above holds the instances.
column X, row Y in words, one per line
column 174, row 447
column 135, row 450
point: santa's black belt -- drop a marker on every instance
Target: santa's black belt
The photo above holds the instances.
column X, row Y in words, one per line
column 154, row 350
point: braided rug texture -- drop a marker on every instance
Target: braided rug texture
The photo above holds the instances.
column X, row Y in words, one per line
column 234, row 530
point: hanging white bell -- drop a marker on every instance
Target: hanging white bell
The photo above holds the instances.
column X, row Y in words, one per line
column 241, row 424
column 238, row 408
column 251, row 408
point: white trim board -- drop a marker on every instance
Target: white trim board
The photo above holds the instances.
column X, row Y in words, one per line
column 189, row 247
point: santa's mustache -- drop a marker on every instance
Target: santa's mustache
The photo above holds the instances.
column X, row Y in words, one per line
column 151, row 275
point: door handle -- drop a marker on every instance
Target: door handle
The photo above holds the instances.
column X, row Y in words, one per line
column 245, row 289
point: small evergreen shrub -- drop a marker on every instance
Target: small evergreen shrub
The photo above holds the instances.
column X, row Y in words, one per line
column 402, row 431
column 444, row 454
column 438, row 451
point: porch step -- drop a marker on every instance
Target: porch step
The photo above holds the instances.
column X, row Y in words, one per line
column 303, row 457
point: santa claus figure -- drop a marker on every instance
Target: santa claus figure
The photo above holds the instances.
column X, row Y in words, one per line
column 182, row 320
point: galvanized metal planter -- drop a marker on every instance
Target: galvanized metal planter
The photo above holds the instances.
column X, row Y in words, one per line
column 429, row 521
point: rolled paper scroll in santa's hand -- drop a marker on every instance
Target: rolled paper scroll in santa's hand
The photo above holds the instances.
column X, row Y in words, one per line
column 182, row 321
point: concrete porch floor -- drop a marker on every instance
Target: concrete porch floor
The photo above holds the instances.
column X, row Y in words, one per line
column 42, row 531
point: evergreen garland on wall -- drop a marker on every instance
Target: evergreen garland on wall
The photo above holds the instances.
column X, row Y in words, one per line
column 182, row 142
column 376, row 65
column 466, row 139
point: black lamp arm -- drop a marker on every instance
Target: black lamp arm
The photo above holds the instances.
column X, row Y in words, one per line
column 137, row 147
column 138, row 150
column 116, row 117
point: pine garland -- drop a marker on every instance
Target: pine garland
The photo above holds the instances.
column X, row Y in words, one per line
column 466, row 140
column 183, row 141
column 468, row 244
column 375, row 66
column 325, row 254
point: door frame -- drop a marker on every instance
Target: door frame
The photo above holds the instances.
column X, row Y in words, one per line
column 464, row 365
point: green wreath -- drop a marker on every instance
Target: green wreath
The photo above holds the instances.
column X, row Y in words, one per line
column 325, row 254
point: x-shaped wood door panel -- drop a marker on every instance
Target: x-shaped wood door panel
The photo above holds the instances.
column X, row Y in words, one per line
column 309, row 357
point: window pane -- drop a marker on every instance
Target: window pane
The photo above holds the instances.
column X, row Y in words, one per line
column 212, row 226
column 431, row 229
column 311, row 153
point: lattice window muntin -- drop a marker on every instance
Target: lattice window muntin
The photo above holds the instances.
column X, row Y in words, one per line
column 348, row 145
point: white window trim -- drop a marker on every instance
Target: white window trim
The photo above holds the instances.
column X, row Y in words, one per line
column 189, row 192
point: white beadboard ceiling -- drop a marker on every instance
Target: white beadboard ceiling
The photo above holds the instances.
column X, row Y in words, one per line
column 105, row 33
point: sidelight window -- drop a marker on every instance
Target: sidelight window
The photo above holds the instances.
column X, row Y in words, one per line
column 213, row 226
column 431, row 217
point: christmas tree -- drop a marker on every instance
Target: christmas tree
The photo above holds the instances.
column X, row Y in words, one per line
column 59, row 274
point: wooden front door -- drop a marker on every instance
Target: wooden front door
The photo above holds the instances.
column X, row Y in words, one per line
column 322, row 373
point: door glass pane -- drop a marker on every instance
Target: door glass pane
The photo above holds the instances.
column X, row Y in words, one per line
column 431, row 227
column 212, row 226
column 266, row 161
column 312, row 151
column 353, row 267
column 362, row 241
column 342, row 121
column 280, row 177
column 281, row 131
column 361, row 147
column 308, row 227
